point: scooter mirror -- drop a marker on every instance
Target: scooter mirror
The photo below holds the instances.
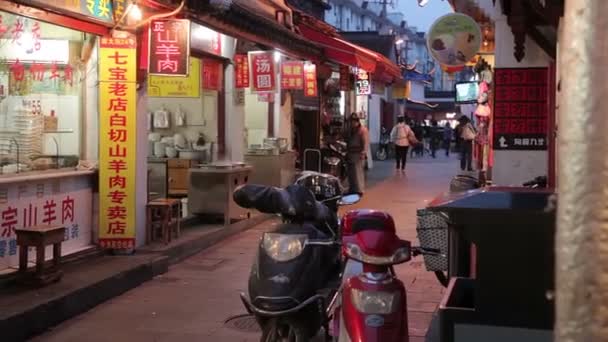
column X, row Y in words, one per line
column 349, row 199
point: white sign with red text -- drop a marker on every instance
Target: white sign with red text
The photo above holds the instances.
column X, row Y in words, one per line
column 67, row 201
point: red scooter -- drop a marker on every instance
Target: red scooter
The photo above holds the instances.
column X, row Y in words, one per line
column 372, row 304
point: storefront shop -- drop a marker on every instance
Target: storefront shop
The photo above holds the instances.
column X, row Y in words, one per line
column 49, row 127
column 186, row 114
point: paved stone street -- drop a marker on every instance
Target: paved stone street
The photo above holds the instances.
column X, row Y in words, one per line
column 193, row 300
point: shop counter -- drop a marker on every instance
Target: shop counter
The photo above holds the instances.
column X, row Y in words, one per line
column 274, row 170
column 210, row 191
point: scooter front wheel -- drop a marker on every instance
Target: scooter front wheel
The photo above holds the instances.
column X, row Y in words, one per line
column 381, row 154
column 278, row 330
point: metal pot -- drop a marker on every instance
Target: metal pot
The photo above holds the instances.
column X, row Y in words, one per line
column 278, row 143
column 193, row 155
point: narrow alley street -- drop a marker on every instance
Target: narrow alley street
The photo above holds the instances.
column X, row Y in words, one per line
column 194, row 299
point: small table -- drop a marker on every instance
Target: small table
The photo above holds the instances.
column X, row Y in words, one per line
column 40, row 237
column 165, row 212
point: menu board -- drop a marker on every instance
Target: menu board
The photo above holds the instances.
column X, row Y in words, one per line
column 520, row 108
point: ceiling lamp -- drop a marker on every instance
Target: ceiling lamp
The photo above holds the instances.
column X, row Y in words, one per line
column 423, row 3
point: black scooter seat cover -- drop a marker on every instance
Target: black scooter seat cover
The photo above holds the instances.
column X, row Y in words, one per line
column 295, row 201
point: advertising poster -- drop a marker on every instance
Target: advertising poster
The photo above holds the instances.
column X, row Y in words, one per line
column 117, row 153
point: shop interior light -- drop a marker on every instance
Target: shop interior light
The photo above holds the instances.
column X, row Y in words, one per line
column 399, row 41
column 423, row 3
column 135, row 12
column 277, row 56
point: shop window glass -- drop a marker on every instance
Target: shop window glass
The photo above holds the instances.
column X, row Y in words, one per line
column 43, row 76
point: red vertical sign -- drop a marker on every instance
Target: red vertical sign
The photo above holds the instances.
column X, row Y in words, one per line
column 262, row 70
column 241, row 71
column 292, row 75
column 169, row 47
column 520, row 108
column 310, row 80
column 211, row 74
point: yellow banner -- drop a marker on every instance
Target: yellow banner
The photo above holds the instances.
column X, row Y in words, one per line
column 117, row 149
column 175, row 86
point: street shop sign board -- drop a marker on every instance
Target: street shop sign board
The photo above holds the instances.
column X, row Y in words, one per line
column 68, row 201
column 101, row 10
column 292, row 75
column 241, row 71
column 169, row 47
column 211, row 74
column 454, row 39
column 310, row 80
column 169, row 86
column 521, row 108
column 205, row 39
column 363, row 85
column 263, row 71
column 117, row 147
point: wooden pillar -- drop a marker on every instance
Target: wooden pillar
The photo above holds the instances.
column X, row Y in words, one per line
column 582, row 222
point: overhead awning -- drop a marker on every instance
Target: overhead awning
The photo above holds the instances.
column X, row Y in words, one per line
column 386, row 70
column 341, row 51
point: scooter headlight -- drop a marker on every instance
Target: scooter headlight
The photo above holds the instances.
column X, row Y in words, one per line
column 375, row 302
column 402, row 254
column 283, row 247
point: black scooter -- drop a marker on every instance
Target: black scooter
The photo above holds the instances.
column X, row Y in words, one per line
column 297, row 269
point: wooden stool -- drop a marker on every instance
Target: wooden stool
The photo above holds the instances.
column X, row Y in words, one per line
column 40, row 237
column 166, row 213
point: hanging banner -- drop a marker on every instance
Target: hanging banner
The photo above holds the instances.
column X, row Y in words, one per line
column 345, row 79
column 454, row 39
column 292, row 75
column 262, row 71
column 117, row 132
column 310, row 80
column 212, row 74
column 520, row 108
column 168, row 86
column 363, row 85
column 241, row 71
column 169, row 47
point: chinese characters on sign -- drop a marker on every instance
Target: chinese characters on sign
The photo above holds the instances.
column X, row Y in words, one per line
column 262, row 70
column 117, row 160
column 292, row 75
column 169, row 47
column 212, row 74
column 241, row 71
column 520, row 109
column 363, row 83
column 345, row 79
column 310, row 80
column 169, row 86
column 27, row 205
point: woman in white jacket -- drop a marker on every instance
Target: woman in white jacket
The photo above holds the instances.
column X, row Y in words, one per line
column 402, row 136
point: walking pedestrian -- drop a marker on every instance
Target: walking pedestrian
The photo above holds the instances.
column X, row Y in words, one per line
column 447, row 138
column 434, row 138
column 467, row 133
column 402, row 136
column 357, row 144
